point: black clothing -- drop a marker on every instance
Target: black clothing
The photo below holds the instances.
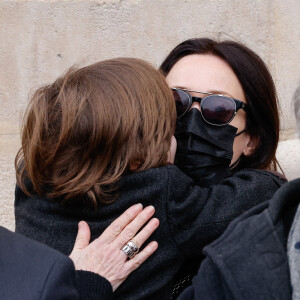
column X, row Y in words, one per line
column 190, row 218
column 249, row 261
column 30, row 270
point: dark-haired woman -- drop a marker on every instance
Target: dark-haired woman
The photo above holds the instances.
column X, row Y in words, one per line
column 211, row 80
column 97, row 141
column 202, row 69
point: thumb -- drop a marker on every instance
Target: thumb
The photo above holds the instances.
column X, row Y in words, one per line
column 83, row 236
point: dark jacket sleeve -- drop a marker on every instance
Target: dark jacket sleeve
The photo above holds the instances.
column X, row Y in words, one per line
column 31, row 270
column 63, row 283
column 92, row 286
column 60, row 282
column 207, row 284
column 197, row 216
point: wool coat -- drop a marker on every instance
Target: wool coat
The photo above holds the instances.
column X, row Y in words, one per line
column 190, row 217
column 250, row 261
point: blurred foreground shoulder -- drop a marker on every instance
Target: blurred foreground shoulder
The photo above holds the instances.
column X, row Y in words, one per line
column 30, row 270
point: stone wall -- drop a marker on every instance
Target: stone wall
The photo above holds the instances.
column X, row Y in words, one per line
column 41, row 39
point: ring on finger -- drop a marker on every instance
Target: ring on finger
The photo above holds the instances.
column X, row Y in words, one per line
column 130, row 249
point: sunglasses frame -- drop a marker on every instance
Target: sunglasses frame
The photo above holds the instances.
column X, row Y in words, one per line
column 238, row 104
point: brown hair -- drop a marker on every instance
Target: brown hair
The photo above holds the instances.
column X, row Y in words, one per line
column 262, row 116
column 84, row 131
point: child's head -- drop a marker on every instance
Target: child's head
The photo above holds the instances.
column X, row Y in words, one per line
column 81, row 133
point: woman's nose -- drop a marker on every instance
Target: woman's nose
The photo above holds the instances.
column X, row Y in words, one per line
column 195, row 105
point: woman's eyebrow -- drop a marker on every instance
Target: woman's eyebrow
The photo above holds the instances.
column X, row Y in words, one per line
column 218, row 92
column 180, row 87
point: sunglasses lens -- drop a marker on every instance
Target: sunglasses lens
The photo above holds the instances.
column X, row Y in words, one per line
column 182, row 102
column 217, row 110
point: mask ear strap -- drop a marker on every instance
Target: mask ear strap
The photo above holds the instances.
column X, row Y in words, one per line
column 241, row 132
column 232, row 166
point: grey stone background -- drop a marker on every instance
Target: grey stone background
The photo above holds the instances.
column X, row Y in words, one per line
column 40, row 39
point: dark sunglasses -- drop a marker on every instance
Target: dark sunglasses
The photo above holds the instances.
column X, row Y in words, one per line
column 216, row 109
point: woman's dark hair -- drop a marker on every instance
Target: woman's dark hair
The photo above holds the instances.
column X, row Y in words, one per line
column 262, row 121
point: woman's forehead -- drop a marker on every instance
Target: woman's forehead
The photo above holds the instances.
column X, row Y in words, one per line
column 206, row 73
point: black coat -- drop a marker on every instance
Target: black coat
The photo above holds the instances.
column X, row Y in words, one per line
column 30, row 270
column 190, row 218
column 249, row 261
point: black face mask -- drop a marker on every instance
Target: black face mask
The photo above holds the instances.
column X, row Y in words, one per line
column 204, row 151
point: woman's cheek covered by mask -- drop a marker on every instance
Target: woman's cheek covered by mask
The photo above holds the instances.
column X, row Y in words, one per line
column 204, row 151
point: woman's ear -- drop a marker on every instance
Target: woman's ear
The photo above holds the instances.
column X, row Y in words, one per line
column 172, row 151
column 250, row 145
column 134, row 165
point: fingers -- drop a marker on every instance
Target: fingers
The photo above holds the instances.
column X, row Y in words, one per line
column 114, row 229
column 144, row 234
column 83, row 236
column 135, row 262
column 129, row 232
column 172, row 151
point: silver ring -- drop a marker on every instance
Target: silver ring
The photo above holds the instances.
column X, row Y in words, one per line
column 130, row 249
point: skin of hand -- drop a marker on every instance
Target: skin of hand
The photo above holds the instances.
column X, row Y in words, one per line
column 172, row 151
column 104, row 255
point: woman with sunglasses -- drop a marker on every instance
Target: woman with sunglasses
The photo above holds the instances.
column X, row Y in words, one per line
column 98, row 140
column 230, row 86
column 228, row 125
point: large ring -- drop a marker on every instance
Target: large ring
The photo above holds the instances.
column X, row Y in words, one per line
column 130, row 249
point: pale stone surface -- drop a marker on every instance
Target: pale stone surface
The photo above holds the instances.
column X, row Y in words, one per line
column 41, row 39
column 288, row 155
column 9, row 145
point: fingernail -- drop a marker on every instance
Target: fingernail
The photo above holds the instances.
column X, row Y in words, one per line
column 155, row 221
column 154, row 246
column 138, row 206
column 80, row 224
column 149, row 208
